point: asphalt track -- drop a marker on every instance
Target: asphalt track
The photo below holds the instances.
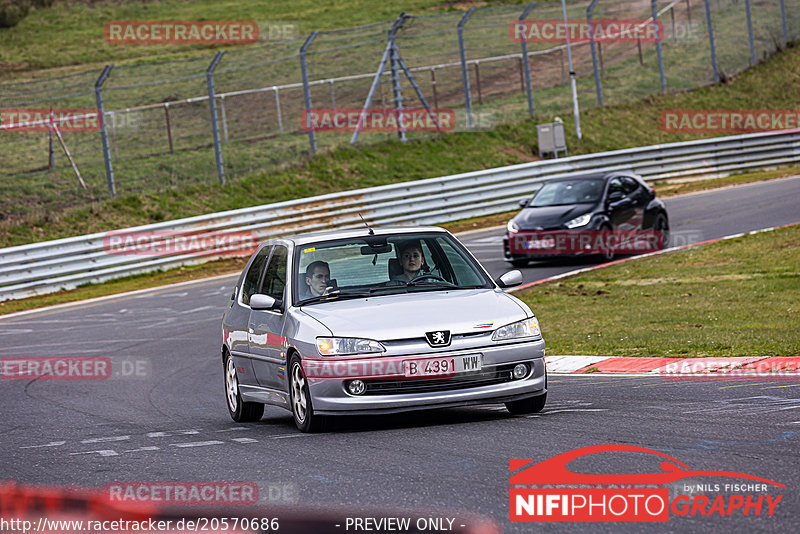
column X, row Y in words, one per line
column 162, row 415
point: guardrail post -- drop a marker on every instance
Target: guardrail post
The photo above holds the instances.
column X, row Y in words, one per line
column 598, row 88
column 98, row 93
column 464, row 71
column 784, row 23
column 753, row 59
column 312, row 135
column 527, row 66
column 659, row 52
column 213, row 105
column 710, row 24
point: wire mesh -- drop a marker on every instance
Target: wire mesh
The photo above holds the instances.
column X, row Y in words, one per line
column 159, row 122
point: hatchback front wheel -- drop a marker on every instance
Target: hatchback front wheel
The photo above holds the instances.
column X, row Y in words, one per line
column 300, row 400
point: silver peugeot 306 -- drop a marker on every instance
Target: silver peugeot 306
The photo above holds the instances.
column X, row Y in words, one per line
column 375, row 321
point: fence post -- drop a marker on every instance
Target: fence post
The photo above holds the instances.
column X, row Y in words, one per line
column 784, row 23
column 464, row 70
column 576, row 112
column 212, row 100
column 394, row 67
column 98, row 93
column 598, row 88
column 312, row 135
column 526, row 64
column 51, row 153
column 659, row 51
column 710, row 24
column 433, row 88
column 278, row 108
column 753, row 59
column 169, row 126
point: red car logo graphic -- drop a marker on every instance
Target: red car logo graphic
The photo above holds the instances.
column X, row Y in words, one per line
column 554, row 470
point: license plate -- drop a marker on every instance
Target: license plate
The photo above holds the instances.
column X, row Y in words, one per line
column 536, row 244
column 446, row 366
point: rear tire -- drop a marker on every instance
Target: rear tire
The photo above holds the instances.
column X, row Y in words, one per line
column 300, row 400
column 240, row 411
column 526, row 406
column 519, row 263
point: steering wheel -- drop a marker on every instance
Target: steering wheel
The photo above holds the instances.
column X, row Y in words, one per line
column 432, row 277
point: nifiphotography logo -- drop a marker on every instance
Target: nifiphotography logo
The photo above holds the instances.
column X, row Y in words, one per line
column 549, row 491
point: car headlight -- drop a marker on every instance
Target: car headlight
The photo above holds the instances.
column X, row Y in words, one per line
column 338, row 346
column 526, row 328
column 512, row 227
column 583, row 220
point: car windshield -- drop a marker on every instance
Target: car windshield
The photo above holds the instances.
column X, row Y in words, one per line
column 568, row 192
column 383, row 264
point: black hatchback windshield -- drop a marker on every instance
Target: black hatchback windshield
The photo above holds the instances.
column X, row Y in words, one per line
column 568, row 192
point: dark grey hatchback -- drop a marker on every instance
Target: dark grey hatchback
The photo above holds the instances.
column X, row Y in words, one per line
column 581, row 211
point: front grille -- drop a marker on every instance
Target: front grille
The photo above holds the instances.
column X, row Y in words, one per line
column 495, row 375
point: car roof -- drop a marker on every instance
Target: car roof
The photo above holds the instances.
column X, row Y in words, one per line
column 330, row 235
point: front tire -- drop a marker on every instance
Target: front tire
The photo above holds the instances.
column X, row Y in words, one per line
column 608, row 254
column 240, row 411
column 300, row 399
column 526, row 406
column 662, row 225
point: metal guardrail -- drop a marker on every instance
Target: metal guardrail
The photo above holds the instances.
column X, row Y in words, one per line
column 50, row 266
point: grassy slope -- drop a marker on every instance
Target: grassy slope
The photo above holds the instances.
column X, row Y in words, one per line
column 731, row 298
column 29, row 46
column 772, row 84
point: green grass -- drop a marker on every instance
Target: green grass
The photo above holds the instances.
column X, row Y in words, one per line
column 772, row 84
column 738, row 297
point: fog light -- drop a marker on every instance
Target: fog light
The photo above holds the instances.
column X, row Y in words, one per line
column 520, row 370
column 356, row 387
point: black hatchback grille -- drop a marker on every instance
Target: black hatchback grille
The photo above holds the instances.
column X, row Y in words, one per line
column 496, row 375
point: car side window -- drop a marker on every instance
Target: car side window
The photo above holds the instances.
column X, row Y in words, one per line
column 615, row 184
column 275, row 277
column 629, row 185
column 253, row 275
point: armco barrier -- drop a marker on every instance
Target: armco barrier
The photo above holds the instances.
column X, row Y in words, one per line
column 50, row 266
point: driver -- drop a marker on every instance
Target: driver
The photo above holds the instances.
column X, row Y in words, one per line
column 317, row 278
column 412, row 260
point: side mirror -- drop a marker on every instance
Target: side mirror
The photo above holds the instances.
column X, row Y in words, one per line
column 510, row 279
column 262, row 302
column 615, row 196
column 524, row 202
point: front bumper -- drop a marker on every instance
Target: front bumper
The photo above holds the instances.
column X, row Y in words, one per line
column 330, row 397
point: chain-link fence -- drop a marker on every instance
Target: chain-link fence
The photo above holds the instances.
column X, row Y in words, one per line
column 158, row 122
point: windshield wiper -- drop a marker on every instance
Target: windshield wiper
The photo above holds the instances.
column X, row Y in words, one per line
column 334, row 295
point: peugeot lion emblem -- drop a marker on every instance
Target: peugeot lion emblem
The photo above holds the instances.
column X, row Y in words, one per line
column 439, row 338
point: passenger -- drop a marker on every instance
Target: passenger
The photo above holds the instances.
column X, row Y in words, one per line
column 317, row 279
column 412, row 260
